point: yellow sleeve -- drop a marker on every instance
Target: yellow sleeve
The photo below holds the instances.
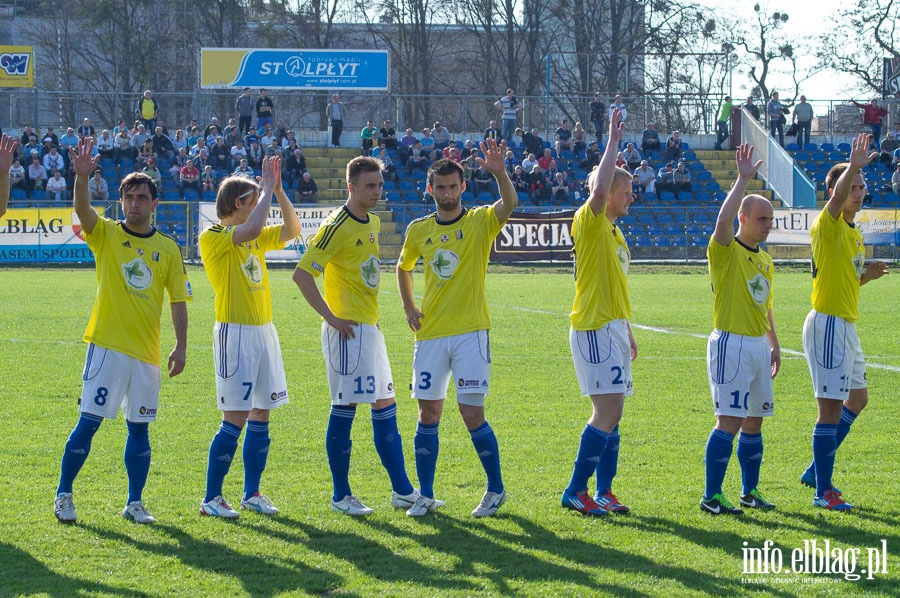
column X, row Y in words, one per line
column 177, row 284
column 409, row 254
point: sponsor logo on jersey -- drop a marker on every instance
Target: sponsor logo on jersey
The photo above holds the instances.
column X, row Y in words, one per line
column 318, row 267
column 463, row 383
column 759, row 288
column 155, row 256
column 187, row 287
column 371, row 272
column 146, row 411
column 281, row 394
column 390, row 386
column 252, row 269
column 137, row 274
column 459, row 235
column 444, row 264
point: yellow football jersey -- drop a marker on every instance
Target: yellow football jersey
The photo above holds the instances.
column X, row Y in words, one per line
column 455, row 255
column 742, row 287
column 132, row 272
column 238, row 273
column 601, row 270
column 838, row 262
column 346, row 250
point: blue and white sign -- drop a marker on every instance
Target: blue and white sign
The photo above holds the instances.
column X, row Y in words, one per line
column 222, row 68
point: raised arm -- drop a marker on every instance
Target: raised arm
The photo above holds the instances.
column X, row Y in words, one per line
column 255, row 222
column 291, row 227
column 724, row 233
column 601, row 178
column 84, row 165
column 859, row 157
column 494, row 163
column 7, row 153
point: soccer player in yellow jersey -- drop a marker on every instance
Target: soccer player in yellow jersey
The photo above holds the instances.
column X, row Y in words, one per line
column 452, row 326
column 250, row 377
column 600, row 335
column 346, row 250
column 743, row 354
column 830, row 343
column 7, row 154
column 136, row 264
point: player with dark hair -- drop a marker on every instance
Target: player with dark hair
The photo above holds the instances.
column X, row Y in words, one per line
column 250, row 379
column 135, row 265
column 346, row 251
column 452, row 326
column 830, row 343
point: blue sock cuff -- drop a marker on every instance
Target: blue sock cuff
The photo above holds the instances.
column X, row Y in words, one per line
column 137, row 430
column 825, row 430
column 596, row 432
column 615, row 431
column 261, row 428
column 847, row 415
column 88, row 417
column 386, row 413
column 344, row 411
column 427, row 429
column 230, row 429
column 481, row 431
column 750, row 438
column 723, row 435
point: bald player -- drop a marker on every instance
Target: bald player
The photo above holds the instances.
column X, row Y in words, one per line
column 743, row 354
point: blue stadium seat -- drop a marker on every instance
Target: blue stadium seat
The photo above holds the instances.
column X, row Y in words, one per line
column 704, row 175
column 393, row 196
column 836, row 156
column 712, row 186
column 646, row 218
column 843, row 147
column 792, row 147
column 801, row 156
column 810, row 147
column 692, row 229
column 703, row 196
column 655, row 229
column 662, row 241
column 664, row 217
column 667, row 196
column 643, row 241
column 719, row 196
column 679, row 241
column 817, row 155
column 689, row 155
column 209, row 196
column 673, row 229
column 17, row 194
column 685, row 196
column 827, row 147
column 700, row 240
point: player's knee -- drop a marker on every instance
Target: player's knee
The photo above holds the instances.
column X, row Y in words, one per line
column 858, row 399
column 752, row 425
column 430, row 412
column 730, row 424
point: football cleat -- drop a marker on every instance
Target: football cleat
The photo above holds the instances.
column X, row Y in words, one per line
column 260, row 504
column 490, row 504
column 404, row 501
column 423, row 506
column 351, row 505
column 218, row 507
column 755, row 500
column 64, row 508
column 135, row 511
column 609, row 502
column 809, row 479
column 832, row 501
column 719, row 505
column 583, row 503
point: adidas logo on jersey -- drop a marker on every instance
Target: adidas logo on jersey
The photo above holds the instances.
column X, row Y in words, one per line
column 358, row 242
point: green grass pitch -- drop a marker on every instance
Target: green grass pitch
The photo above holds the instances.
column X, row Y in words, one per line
column 665, row 547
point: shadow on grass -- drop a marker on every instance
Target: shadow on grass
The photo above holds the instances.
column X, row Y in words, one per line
column 22, row 574
column 259, row 575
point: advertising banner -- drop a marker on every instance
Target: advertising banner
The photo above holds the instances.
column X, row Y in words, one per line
column 535, row 237
column 224, row 68
column 879, row 227
column 42, row 235
column 17, row 66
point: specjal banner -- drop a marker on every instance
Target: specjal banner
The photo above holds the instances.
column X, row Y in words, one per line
column 535, row 237
column 42, row 236
column 226, row 68
column 891, row 77
column 17, row 66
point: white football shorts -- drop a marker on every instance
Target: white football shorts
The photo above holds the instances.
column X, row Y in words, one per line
column 603, row 359
column 740, row 374
column 113, row 380
column 249, row 368
column 467, row 356
column 358, row 367
column 834, row 356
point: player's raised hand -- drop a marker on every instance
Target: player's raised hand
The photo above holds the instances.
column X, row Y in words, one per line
column 345, row 327
column 859, row 150
column 82, row 160
column 493, row 160
column 271, row 170
column 616, row 129
column 744, row 160
column 7, row 151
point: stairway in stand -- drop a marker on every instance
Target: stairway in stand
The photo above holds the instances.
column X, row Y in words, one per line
column 722, row 167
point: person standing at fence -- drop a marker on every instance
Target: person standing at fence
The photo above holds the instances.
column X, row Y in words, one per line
column 148, row 110
column 509, row 105
column 598, row 116
column 336, row 113
column 600, row 318
column 136, row 265
column 803, row 115
column 743, row 355
column 775, row 112
column 244, row 105
column 7, row 154
column 722, row 122
column 250, row 379
column 872, row 116
column 452, row 328
column 830, row 343
column 265, row 111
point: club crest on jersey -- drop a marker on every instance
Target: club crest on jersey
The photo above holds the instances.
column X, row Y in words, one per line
column 444, row 264
column 624, row 258
column 140, row 251
column 252, row 269
column 138, row 275
column 371, row 237
column 370, row 270
column 444, row 238
column 759, row 288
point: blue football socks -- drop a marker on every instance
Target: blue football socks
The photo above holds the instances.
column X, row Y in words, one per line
column 427, row 444
column 749, row 454
column 609, row 462
column 590, row 450
column 485, row 442
column 718, row 453
column 78, row 446
column 221, row 453
column 137, row 458
column 390, row 448
column 843, row 428
column 255, row 452
column 824, row 445
column 338, row 446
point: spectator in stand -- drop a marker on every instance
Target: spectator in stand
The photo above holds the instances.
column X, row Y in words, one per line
column 509, row 105
column 245, row 170
column 162, row 145
column 650, row 139
column 453, row 154
column 803, row 115
column 533, row 144
column 274, row 148
column 560, row 190
column 124, row 148
column 483, row 180
column 208, row 179
column 232, row 136
column 617, row 103
column 219, row 156
column 529, row 163
column 895, row 180
column 265, row 110
column 293, row 167
column 189, row 178
column 665, row 179
column 536, row 187
column 54, row 140
column 417, row 158
column 722, row 122
column 53, row 160
column 388, row 135
column 554, row 168
column 494, row 132
column 592, row 157
column 139, row 138
column 406, row 142
column 519, row 180
column 775, row 113
column 237, row 151
column 46, row 147
column 194, row 137
column 369, row 138
column 751, row 108
column 69, row 140
column 255, row 155
column 120, row 125
column 872, row 116
column 106, row 145
column 428, row 142
column 336, row 112
column 442, row 136
column 598, row 114
column 674, row 149
column 445, row 153
column 468, row 149
column 282, row 133
column 620, row 160
column 152, row 171
column 201, row 160
column 896, row 155
column 244, row 106
column 17, row 178
column 510, row 162
column 632, row 157
column 145, row 154
column 388, row 170
column 307, row 190
column 563, row 138
column 545, row 159
column 27, row 134
column 198, row 147
column 30, row 148
column 37, row 176
column 682, row 177
column 148, row 111
column 637, row 190
column 161, row 124
column 56, row 188
column 888, row 146
column 212, row 133
column 579, row 138
column 86, row 129
column 646, row 176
